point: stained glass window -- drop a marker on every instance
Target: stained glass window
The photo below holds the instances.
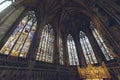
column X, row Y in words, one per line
column 73, row 58
column 106, row 51
column 46, row 46
column 4, row 4
column 19, row 42
column 61, row 51
column 87, row 49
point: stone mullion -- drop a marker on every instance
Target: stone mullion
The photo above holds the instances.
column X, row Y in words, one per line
column 35, row 42
column 81, row 58
column 65, row 50
column 34, row 48
column 56, row 48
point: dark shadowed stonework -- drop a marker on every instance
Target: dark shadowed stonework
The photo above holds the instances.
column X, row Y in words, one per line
column 66, row 17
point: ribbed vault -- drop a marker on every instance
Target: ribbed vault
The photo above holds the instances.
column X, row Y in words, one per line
column 69, row 15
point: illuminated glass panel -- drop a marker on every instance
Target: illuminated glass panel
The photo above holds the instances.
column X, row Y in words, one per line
column 73, row 58
column 19, row 42
column 61, row 51
column 106, row 51
column 45, row 50
column 87, row 49
column 2, row 1
column 4, row 4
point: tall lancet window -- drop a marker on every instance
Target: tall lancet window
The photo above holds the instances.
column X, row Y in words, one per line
column 106, row 51
column 61, row 51
column 4, row 4
column 46, row 46
column 19, row 42
column 87, row 49
column 73, row 58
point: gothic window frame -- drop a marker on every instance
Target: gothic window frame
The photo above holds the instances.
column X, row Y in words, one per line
column 45, row 52
column 105, row 50
column 73, row 56
column 87, row 49
column 25, row 28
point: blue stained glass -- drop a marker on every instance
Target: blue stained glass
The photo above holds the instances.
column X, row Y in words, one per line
column 19, row 42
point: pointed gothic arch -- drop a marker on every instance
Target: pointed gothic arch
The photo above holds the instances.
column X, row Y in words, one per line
column 87, row 49
column 72, row 52
column 106, row 51
column 46, row 46
column 19, row 41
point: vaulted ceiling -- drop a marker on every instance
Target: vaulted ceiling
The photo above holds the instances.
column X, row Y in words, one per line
column 69, row 15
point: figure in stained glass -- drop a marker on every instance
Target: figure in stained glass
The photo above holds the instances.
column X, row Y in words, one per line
column 19, row 42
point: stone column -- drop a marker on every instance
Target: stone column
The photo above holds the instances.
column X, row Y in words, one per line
column 56, row 47
column 36, row 41
column 65, row 50
column 34, row 48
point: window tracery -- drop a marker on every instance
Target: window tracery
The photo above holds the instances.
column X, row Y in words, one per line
column 106, row 51
column 19, row 42
column 46, row 46
column 72, row 53
column 87, row 49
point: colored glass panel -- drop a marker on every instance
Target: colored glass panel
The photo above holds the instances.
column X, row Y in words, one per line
column 19, row 42
column 45, row 50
